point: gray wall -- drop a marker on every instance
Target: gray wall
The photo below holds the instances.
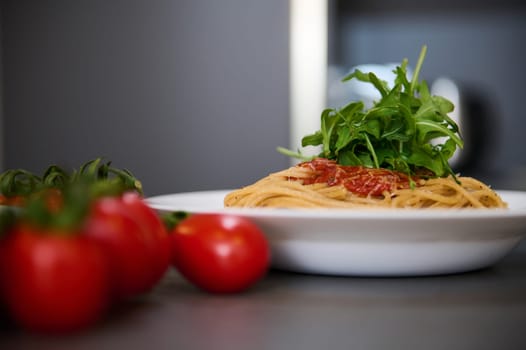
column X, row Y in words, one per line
column 187, row 94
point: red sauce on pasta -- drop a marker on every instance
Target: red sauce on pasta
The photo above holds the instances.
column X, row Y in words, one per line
column 356, row 179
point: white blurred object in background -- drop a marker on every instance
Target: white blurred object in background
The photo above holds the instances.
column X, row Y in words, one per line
column 308, row 67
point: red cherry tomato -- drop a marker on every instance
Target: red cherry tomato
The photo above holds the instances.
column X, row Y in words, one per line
column 220, row 253
column 156, row 232
column 2, row 274
column 135, row 242
column 54, row 281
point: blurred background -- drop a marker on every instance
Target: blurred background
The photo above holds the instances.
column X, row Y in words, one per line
column 197, row 94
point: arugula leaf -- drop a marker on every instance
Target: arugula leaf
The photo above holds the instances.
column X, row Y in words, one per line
column 399, row 132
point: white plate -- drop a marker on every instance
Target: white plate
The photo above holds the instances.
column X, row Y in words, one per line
column 377, row 242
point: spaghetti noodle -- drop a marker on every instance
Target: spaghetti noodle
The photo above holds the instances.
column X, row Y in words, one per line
column 321, row 183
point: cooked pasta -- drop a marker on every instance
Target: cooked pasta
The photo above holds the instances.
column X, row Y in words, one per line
column 297, row 187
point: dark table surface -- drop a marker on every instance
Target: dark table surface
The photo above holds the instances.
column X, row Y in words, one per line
column 484, row 309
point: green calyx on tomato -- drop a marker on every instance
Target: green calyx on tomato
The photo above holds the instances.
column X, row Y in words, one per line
column 107, row 180
column 60, row 198
column 101, row 176
column 64, row 210
column 172, row 219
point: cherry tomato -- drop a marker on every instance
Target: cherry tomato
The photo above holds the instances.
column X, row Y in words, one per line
column 155, row 230
column 220, row 253
column 7, row 220
column 2, row 273
column 132, row 239
column 54, row 281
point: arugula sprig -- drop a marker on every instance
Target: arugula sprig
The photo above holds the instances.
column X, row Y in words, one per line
column 401, row 131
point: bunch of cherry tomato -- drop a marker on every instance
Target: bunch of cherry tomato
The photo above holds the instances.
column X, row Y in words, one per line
column 74, row 245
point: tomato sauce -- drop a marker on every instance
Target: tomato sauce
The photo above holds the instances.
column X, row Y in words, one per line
column 356, row 179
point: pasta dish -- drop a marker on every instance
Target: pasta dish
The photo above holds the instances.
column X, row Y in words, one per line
column 321, row 183
column 392, row 155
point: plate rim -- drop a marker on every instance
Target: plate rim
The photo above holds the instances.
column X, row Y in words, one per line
column 336, row 213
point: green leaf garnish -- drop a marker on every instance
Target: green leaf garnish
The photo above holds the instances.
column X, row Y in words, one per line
column 402, row 131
